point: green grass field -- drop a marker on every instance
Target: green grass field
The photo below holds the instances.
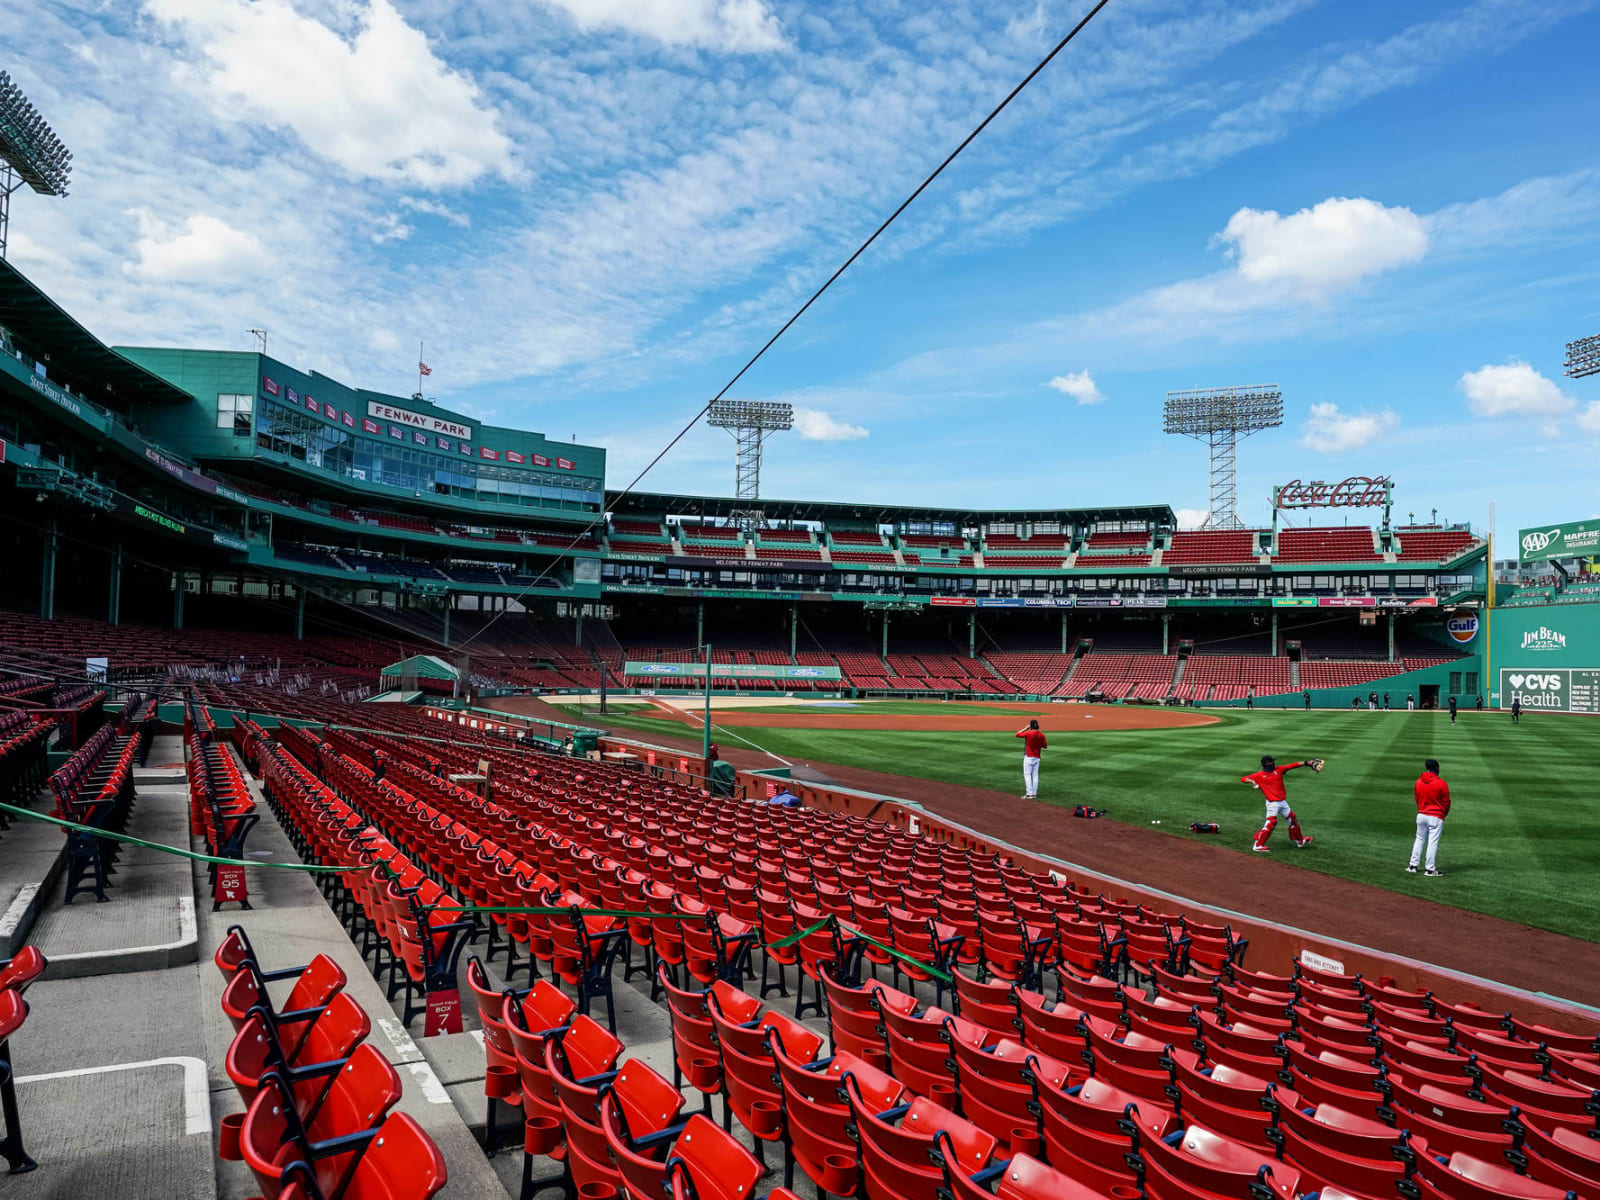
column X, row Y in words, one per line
column 1520, row 842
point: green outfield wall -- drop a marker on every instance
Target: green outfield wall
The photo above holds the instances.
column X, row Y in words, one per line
column 1549, row 658
column 1461, row 678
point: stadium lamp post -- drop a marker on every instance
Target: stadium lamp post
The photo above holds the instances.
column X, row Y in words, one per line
column 1220, row 417
column 705, row 723
column 1583, row 357
column 749, row 421
column 30, row 153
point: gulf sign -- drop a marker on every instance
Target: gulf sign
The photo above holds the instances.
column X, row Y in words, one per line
column 1462, row 627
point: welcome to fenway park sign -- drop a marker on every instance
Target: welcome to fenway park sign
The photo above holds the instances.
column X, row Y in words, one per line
column 1358, row 491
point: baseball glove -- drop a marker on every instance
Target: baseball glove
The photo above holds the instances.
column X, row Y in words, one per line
column 1317, row 764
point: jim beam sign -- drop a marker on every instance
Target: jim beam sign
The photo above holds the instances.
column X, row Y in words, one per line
column 1358, row 491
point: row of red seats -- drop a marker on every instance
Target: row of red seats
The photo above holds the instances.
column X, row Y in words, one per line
column 94, row 788
column 23, row 742
column 318, row 1121
column 221, row 808
column 699, row 1160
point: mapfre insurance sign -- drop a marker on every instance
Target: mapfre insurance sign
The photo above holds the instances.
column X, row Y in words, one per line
column 416, row 420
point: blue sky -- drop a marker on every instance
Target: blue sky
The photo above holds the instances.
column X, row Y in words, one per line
column 594, row 210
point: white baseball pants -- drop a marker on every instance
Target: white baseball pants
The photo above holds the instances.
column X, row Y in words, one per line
column 1428, row 831
column 1030, row 776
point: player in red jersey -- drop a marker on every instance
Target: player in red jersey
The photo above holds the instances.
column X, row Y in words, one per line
column 1033, row 745
column 1269, row 782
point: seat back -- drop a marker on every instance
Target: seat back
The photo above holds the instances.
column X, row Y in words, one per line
column 712, row 1163
column 13, row 1012
column 643, row 1170
column 896, row 1158
column 318, row 984
column 342, row 1026
column 25, row 966
column 1024, row 1178
column 649, row 1103
column 401, row 1164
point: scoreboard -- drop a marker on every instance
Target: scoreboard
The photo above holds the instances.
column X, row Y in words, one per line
column 1551, row 689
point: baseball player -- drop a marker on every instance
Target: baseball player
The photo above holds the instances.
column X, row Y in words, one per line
column 1033, row 745
column 1269, row 782
column 1432, row 795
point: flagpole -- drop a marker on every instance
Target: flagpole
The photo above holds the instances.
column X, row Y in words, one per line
column 419, row 367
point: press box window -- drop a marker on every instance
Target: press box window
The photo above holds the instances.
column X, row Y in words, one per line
column 234, row 413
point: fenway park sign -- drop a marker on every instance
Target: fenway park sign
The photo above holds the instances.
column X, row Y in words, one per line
column 1358, row 491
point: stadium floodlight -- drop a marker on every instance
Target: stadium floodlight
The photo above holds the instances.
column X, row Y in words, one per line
column 30, row 153
column 1220, row 417
column 749, row 421
column 1583, row 357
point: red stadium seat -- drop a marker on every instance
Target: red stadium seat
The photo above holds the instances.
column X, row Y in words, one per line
column 402, row 1164
column 896, row 1145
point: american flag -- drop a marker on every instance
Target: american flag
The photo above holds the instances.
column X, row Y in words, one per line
column 424, row 369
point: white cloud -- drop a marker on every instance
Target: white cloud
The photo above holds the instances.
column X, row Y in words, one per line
column 1080, row 385
column 204, row 249
column 390, row 228
column 1191, row 518
column 378, row 102
column 432, row 207
column 817, row 426
column 1330, row 431
column 733, row 26
column 1513, row 389
column 1589, row 418
column 1327, row 248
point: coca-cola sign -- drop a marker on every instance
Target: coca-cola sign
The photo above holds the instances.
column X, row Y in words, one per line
column 1358, row 491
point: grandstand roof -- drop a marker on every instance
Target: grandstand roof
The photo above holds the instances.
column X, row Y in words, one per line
column 422, row 666
column 42, row 323
column 655, row 503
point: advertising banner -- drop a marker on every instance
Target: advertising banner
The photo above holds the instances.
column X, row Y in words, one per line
column 1575, row 539
column 663, row 670
column 1561, row 689
column 1358, row 491
column 1205, row 570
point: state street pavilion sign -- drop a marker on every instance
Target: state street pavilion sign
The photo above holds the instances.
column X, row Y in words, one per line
column 1358, row 491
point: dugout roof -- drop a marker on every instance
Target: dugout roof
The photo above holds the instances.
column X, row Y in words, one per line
column 48, row 329
column 655, row 504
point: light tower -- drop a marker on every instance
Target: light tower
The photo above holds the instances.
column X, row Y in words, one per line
column 749, row 421
column 1583, row 357
column 30, row 153
column 1220, row 417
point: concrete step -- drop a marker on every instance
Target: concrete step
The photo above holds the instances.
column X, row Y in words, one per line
column 31, row 857
column 148, row 920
